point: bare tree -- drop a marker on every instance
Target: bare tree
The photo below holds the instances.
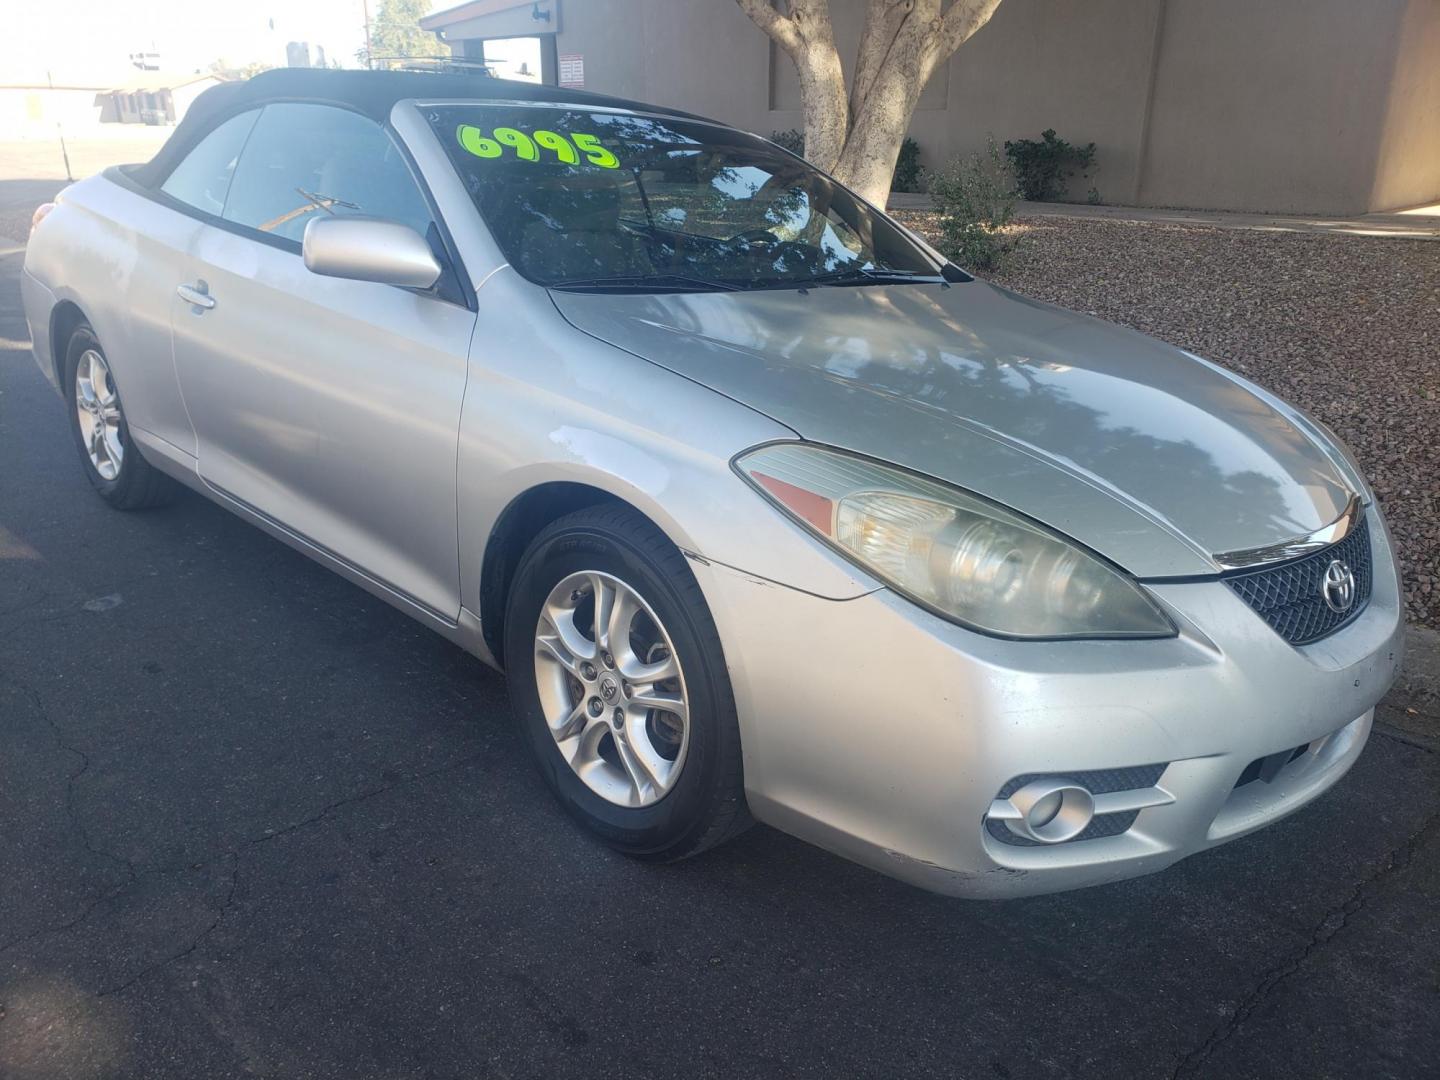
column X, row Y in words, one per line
column 856, row 135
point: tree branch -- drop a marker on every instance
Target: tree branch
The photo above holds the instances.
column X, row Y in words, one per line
column 960, row 22
column 782, row 31
column 806, row 33
column 883, row 20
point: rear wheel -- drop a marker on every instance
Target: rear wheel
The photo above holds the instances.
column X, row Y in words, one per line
column 97, row 421
column 619, row 683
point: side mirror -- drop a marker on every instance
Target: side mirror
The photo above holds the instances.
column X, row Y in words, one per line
column 369, row 249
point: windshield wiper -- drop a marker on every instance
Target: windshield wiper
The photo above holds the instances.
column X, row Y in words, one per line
column 646, row 283
column 318, row 201
column 864, row 275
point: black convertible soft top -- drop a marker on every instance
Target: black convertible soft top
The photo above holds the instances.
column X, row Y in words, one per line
column 373, row 93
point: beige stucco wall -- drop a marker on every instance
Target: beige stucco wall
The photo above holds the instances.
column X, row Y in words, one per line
column 1408, row 162
column 1273, row 105
column 1307, row 106
column 1081, row 67
column 698, row 55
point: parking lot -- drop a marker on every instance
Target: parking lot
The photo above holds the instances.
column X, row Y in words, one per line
column 256, row 823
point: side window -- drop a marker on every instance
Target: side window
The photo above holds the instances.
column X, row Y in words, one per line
column 202, row 179
column 306, row 160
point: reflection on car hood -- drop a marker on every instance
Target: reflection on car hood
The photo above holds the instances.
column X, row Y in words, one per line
column 1145, row 453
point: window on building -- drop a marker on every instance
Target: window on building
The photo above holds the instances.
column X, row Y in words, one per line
column 306, row 160
column 514, row 58
column 202, row 179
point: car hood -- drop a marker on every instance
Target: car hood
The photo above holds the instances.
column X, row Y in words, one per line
column 1147, row 454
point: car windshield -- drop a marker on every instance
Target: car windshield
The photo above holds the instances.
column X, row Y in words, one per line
column 597, row 200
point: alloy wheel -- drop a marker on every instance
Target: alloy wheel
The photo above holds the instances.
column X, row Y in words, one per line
column 98, row 407
column 612, row 689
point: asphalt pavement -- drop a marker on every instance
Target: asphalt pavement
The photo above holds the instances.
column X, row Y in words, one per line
column 254, row 823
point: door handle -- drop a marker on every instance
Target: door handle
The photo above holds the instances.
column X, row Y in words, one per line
column 196, row 294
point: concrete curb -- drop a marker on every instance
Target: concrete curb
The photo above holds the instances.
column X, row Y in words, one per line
column 1404, row 226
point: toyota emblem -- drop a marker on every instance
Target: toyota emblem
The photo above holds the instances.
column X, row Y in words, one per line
column 1338, row 587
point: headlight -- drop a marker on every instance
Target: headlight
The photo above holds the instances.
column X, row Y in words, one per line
column 967, row 559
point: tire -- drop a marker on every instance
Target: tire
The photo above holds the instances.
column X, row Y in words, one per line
column 706, row 803
column 136, row 484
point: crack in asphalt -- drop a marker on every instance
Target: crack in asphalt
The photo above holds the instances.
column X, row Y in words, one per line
column 50, row 931
column 195, row 942
column 1331, row 923
column 1405, row 740
column 362, row 796
column 64, row 744
column 134, row 875
column 76, row 824
column 234, row 855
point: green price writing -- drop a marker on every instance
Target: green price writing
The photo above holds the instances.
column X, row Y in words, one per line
column 527, row 147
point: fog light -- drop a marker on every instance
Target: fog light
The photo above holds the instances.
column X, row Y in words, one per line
column 1050, row 811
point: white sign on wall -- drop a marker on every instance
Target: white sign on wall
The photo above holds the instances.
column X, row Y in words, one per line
column 572, row 69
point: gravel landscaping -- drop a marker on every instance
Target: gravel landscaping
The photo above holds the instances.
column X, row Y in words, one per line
column 1347, row 327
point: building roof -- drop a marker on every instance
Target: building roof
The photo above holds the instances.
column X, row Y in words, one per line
column 438, row 20
column 37, row 85
column 118, row 82
column 151, row 81
column 373, row 93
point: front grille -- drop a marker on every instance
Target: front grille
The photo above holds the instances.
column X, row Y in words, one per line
column 1098, row 782
column 1289, row 596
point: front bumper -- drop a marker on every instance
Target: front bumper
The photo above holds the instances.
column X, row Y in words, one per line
column 885, row 734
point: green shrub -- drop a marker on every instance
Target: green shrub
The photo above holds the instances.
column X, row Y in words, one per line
column 791, row 140
column 907, row 167
column 975, row 200
column 1044, row 166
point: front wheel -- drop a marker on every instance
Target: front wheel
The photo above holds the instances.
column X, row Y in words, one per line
column 620, row 687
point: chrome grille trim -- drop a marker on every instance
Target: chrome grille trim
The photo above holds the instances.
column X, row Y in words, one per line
column 1297, row 546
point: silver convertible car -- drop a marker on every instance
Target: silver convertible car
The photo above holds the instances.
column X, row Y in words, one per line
column 767, row 510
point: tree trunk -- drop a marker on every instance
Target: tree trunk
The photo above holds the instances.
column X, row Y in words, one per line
column 878, row 126
column 822, row 92
column 857, row 135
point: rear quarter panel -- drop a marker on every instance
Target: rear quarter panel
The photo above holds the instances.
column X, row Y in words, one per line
column 118, row 255
column 38, row 303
